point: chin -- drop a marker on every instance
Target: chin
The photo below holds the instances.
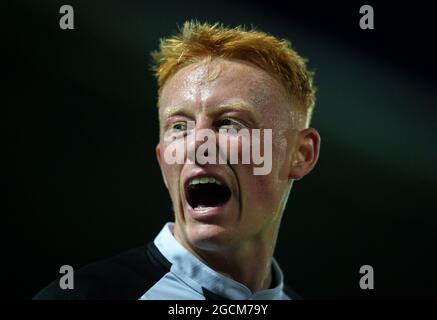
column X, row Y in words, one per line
column 211, row 236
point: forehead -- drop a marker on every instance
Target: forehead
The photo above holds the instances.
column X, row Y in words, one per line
column 209, row 83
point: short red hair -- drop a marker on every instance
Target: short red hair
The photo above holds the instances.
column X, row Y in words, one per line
column 197, row 41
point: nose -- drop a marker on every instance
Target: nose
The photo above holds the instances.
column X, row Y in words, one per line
column 202, row 134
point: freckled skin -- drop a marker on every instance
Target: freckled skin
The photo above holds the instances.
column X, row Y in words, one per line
column 249, row 230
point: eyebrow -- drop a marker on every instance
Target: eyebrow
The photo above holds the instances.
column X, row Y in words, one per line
column 177, row 110
column 234, row 106
column 221, row 108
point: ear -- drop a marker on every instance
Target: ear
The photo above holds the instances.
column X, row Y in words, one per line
column 160, row 161
column 306, row 153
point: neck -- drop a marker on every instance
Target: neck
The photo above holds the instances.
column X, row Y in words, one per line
column 248, row 263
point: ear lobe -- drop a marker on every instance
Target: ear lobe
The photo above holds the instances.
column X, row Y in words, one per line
column 159, row 158
column 306, row 153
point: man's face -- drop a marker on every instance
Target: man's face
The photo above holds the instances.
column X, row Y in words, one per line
column 235, row 206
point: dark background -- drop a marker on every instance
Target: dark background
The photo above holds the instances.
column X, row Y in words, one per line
column 80, row 127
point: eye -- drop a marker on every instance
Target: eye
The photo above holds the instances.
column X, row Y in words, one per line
column 230, row 124
column 179, row 126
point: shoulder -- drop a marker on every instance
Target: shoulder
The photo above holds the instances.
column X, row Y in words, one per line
column 125, row 276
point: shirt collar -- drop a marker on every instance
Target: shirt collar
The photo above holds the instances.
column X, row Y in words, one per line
column 199, row 276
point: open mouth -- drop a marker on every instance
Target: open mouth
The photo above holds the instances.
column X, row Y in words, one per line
column 205, row 192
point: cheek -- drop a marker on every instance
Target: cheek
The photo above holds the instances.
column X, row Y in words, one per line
column 281, row 160
column 267, row 186
column 172, row 174
column 266, row 191
column 171, row 171
column 262, row 194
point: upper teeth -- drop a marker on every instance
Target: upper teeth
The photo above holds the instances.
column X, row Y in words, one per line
column 204, row 180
